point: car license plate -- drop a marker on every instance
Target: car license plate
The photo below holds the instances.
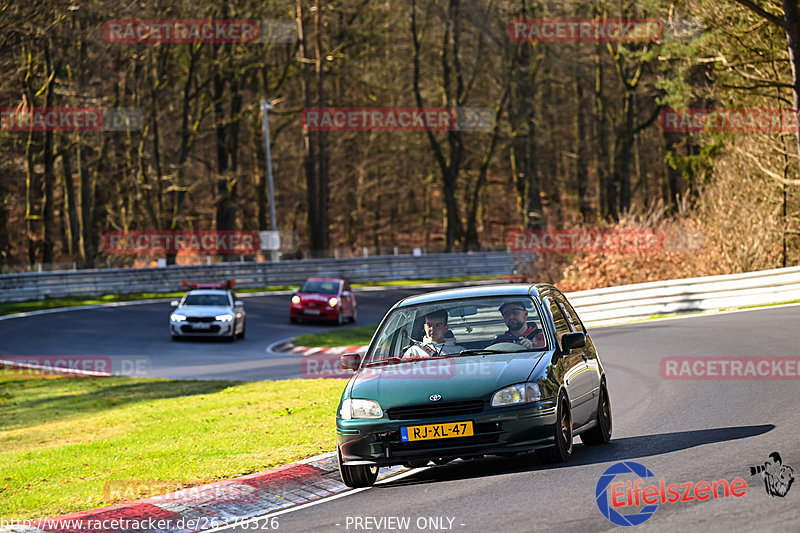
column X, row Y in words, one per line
column 436, row 431
column 311, row 311
column 202, row 325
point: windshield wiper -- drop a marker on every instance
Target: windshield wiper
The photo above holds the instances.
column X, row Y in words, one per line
column 482, row 351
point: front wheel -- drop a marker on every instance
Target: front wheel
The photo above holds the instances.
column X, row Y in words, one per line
column 562, row 450
column 600, row 433
column 357, row 476
column 244, row 327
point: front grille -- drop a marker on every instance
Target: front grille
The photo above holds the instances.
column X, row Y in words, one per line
column 190, row 329
column 435, row 410
column 200, row 319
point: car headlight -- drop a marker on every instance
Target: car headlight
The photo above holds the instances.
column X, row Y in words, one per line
column 333, row 301
column 176, row 317
column 360, row 408
column 224, row 318
column 516, row 394
column 295, row 299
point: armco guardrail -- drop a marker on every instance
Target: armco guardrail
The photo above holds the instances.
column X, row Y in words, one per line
column 643, row 300
column 30, row 286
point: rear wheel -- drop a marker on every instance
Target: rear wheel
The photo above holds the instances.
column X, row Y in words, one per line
column 562, row 450
column 600, row 433
column 357, row 476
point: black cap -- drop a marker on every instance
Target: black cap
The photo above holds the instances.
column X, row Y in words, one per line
column 513, row 302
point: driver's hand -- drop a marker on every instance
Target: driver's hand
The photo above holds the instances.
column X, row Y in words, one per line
column 526, row 342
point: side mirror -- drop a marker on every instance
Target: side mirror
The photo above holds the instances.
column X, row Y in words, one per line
column 576, row 339
column 295, row 291
column 349, row 361
column 345, row 293
column 174, row 303
column 238, row 303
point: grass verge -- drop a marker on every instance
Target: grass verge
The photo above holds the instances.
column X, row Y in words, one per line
column 8, row 308
column 64, row 440
column 357, row 336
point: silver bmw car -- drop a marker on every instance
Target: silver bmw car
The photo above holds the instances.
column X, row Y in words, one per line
column 208, row 310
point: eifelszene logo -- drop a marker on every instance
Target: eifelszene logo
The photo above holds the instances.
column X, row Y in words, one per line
column 632, row 494
column 778, row 477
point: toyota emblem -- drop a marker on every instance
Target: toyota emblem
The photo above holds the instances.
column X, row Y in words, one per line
column 436, row 397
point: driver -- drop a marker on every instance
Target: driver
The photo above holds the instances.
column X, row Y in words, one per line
column 435, row 342
column 515, row 316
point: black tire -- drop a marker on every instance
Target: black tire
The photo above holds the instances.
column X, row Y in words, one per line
column 232, row 336
column 340, row 318
column 244, row 327
column 601, row 433
column 562, row 450
column 176, row 338
column 355, row 315
column 357, row 476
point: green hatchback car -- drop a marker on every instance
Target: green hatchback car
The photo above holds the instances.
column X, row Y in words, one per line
column 463, row 373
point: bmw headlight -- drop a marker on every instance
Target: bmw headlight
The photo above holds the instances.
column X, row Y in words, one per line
column 360, row 408
column 224, row 318
column 176, row 317
column 516, row 394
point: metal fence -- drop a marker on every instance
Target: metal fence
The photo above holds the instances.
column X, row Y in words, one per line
column 642, row 300
column 30, row 286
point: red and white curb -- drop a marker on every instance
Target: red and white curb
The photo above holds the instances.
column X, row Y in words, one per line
column 336, row 350
column 216, row 504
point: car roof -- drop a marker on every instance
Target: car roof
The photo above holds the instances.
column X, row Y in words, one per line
column 208, row 291
column 512, row 289
column 325, row 279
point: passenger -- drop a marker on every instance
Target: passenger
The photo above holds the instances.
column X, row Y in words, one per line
column 436, row 342
column 519, row 331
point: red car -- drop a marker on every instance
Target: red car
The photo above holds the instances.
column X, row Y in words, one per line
column 324, row 299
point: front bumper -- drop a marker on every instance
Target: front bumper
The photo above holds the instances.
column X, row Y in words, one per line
column 189, row 329
column 496, row 430
column 314, row 313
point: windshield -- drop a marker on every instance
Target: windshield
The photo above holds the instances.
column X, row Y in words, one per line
column 321, row 287
column 206, row 299
column 473, row 326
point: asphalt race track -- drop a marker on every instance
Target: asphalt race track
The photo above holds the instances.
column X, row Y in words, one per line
column 685, row 431
column 139, row 334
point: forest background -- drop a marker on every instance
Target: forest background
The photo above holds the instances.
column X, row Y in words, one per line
column 574, row 141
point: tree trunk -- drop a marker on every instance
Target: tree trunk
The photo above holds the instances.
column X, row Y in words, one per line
column 70, row 205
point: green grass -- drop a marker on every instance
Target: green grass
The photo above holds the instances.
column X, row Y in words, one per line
column 64, row 439
column 357, row 336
